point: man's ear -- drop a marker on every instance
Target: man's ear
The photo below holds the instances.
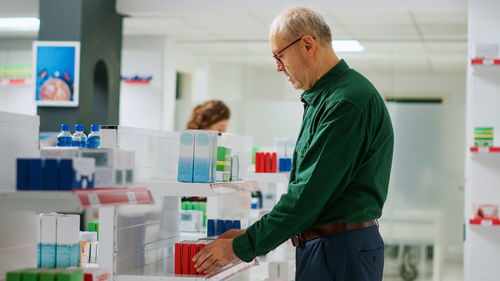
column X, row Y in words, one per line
column 310, row 44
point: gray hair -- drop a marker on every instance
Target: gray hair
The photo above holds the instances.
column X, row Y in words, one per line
column 290, row 24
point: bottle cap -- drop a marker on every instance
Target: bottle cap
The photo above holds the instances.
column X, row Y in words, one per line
column 94, row 128
column 79, row 127
column 64, row 127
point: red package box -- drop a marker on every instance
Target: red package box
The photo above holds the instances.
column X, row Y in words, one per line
column 268, row 163
column 274, row 162
column 192, row 253
column 178, row 258
column 185, row 258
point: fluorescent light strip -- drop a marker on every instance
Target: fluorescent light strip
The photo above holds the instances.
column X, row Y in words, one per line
column 347, row 46
column 19, row 24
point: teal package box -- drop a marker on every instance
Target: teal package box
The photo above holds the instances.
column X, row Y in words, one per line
column 186, row 156
column 205, row 156
column 68, row 241
column 48, row 239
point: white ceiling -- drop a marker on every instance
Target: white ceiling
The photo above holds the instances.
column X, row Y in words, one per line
column 399, row 35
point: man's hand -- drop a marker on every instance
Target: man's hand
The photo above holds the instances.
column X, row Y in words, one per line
column 231, row 233
column 215, row 254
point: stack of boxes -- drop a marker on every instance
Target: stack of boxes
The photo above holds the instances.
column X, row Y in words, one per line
column 219, row 226
column 113, row 167
column 197, row 156
column 279, row 161
column 59, row 242
column 55, row 174
column 68, row 274
column 34, row 274
column 197, row 205
column 184, row 253
column 89, row 244
column 483, row 136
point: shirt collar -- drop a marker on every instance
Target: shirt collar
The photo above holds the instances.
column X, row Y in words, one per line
column 310, row 96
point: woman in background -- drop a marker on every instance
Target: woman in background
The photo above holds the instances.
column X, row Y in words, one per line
column 211, row 115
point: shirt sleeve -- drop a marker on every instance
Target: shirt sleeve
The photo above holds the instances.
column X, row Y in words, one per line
column 322, row 174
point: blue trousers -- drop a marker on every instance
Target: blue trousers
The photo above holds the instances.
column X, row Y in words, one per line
column 356, row 255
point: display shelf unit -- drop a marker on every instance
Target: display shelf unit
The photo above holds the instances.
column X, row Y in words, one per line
column 482, row 237
column 162, row 270
column 485, row 61
column 269, row 177
column 165, row 188
column 484, row 222
column 483, row 149
column 73, row 201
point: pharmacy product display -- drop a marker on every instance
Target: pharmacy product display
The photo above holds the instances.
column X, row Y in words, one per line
column 62, row 244
column 79, row 139
column 279, row 160
column 197, row 156
column 201, row 160
column 196, row 204
column 268, row 162
column 67, row 274
column 113, row 167
column 223, row 173
column 55, row 174
column 35, row 274
column 184, row 253
column 483, row 136
column 216, row 227
column 59, row 241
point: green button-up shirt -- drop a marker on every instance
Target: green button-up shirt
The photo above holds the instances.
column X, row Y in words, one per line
column 341, row 163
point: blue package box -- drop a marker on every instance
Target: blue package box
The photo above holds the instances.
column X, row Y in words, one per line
column 51, row 174
column 35, row 178
column 210, row 228
column 76, row 173
column 228, row 225
column 220, row 227
column 22, row 174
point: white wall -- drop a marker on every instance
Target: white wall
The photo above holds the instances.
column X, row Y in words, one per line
column 140, row 105
column 17, row 98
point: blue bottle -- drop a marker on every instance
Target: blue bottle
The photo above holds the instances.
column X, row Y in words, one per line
column 64, row 138
column 79, row 137
column 94, row 139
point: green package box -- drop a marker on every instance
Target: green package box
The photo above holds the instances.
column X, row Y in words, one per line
column 14, row 275
column 48, row 274
column 221, row 153
column 30, row 274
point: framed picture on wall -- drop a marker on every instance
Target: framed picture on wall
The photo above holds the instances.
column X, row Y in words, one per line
column 56, row 72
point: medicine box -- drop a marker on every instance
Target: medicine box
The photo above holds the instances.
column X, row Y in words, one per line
column 68, row 241
column 205, row 156
column 186, row 156
column 48, row 240
column 113, row 167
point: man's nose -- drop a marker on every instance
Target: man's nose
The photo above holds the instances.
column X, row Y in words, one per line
column 279, row 66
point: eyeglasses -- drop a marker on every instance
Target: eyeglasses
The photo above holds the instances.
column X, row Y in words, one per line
column 275, row 55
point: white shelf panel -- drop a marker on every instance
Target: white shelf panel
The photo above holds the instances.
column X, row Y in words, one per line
column 162, row 271
column 198, row 189
column 72, row 201
column 40, row 201
column 269, row 177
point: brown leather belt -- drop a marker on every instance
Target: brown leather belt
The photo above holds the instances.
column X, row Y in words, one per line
column 332, row 228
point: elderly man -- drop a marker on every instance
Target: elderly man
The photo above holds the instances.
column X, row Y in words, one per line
column 340, row 170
